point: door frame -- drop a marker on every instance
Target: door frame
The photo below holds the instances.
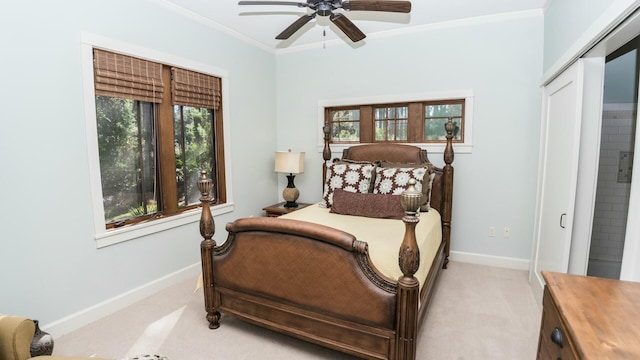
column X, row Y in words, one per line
column 630, row 269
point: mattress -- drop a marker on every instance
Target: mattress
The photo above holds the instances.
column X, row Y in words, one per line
column 384, row 236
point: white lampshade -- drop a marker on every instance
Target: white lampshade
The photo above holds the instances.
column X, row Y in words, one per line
column 289, row 162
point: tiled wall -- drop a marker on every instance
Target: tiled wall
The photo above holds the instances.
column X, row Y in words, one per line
column 612, row 196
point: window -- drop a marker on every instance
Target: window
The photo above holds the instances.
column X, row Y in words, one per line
column 437, row 114
column 413, row 122
column 391, row 123
column 158, row 126
column 345, row 124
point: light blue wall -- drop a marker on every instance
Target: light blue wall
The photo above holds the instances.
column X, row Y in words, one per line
column 496, row 184
column 49, row 265
column 566, row 21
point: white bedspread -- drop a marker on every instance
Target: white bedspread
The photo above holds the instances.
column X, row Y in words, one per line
column 384, row 236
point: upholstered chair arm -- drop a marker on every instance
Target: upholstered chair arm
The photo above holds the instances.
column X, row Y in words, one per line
column 16, row 334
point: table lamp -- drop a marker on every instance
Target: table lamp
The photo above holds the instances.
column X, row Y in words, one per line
column 291, row 163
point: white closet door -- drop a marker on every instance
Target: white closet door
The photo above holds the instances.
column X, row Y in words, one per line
column 562, row 112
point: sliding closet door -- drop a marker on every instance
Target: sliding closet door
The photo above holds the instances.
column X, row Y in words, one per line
column 562, row 112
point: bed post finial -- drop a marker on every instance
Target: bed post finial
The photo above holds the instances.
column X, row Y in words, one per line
column 409, row 257
column 207, row 230
column 326, row 152
column 449, row 127
column 408, row 285
column 207, row 225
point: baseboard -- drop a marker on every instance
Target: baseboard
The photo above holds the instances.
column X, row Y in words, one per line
column 490, row 260
column 84, row 317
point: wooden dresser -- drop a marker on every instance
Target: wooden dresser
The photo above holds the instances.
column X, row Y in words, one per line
column 589, row 318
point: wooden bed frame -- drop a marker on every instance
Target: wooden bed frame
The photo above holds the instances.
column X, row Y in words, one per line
column 316, row 283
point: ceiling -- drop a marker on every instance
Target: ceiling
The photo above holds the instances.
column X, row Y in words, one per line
column 262, row 23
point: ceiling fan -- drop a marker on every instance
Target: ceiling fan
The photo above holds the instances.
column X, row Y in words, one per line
column 327, row 8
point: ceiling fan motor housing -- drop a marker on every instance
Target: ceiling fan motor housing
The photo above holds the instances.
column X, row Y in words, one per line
column 324, row 8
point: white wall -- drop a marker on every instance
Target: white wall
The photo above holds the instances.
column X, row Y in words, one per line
column 50, row 267
column 499, row 58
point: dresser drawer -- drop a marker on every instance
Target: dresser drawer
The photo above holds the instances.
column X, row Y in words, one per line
column 555, row 342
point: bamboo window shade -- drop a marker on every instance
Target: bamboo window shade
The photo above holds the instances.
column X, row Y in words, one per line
column 190, row 88
column 127, row 77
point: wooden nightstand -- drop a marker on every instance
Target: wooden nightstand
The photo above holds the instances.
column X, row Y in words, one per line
column 279, row 209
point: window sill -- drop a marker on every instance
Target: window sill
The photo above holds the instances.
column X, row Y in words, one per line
column 123, row 234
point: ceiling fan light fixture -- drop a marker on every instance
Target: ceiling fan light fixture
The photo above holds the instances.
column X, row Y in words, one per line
column 326, row 8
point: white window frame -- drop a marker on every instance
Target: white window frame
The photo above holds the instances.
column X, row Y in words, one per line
column 465, row 147
column 102, row 236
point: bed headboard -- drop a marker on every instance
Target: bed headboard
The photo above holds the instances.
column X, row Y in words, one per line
column 386, row 151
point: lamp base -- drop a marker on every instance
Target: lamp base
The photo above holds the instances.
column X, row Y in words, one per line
column 290, row 193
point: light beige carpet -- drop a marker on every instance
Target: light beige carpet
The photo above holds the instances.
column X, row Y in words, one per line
column 478, row 312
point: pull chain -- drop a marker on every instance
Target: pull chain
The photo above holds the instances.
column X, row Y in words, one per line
column 324, row 38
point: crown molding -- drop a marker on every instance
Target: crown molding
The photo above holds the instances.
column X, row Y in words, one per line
column 478, row 20
column 212, row 24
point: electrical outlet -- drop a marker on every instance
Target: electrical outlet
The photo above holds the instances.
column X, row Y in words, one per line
column 506, row 232
column 492, row 231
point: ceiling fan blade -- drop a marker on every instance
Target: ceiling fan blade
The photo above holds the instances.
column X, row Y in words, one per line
column 293, row 3
column 347, row 27
column 295, row 26
column 377, row 5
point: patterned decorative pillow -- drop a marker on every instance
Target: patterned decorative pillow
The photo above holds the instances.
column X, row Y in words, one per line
column 425, row 186
column 394, row 181
column 355, row 178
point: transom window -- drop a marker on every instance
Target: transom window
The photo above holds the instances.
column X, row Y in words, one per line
column 345, row 124
column 413, row 122
column 391, row 123
column 436, row 114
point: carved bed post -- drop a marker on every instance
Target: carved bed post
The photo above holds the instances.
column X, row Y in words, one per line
column 408, row 285
column 447, row 186
column 326, row 152
column 207, row 229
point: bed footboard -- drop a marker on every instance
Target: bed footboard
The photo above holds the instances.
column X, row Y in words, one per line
column 311, row 282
